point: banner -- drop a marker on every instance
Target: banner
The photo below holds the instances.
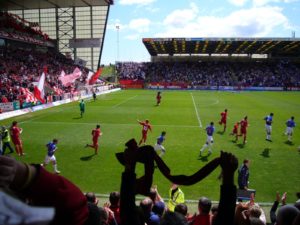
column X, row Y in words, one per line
column 68, row 80
column 6, row 107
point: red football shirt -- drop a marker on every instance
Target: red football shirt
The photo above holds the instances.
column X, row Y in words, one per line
column 15, row 132
column 223, row 116
column 96, row 133
column 146, row 127
column 244, row 125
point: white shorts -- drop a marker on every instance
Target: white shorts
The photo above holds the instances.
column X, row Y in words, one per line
column 158, row 147
column 289, row 131
column 50, row 159
column 268, row 129
column 209, row 140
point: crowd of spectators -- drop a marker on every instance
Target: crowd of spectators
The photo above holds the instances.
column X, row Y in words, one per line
column 66, row 204
column 13, row 24
column 22, row 67
column 215, row 73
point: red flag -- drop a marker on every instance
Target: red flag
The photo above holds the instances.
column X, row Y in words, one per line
column 95, row 76
column 39, row 89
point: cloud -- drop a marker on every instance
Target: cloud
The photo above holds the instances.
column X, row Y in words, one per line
column 181, row 17
column 238, row 2
column 136, row 2
column 266, row 2
column 113, row 24
column 253, row 22
column 141, row 25
column 132, row 37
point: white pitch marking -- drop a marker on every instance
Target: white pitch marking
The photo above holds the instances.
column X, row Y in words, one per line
column 108, row 124
column 196, row 110
column 124, row 101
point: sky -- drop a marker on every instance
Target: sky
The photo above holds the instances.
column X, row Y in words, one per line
column 137, row 19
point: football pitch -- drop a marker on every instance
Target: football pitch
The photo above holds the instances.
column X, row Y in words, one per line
column 275, row 166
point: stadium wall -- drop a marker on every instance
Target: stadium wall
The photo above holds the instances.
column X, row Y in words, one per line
column 82, row 95
column 180, row 86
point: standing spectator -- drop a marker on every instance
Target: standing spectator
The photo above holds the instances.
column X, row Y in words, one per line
column 6, row 140
column 290, row 124
column 275, row 206
column 1, row 133
column 149, row 216
column 243, row 176
column 50, row 157
column 15, row 132
column 176, row 196
column 114, row 199
column 204, row 217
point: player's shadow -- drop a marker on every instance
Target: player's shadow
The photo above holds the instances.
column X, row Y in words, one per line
column 289, row 143
column 87, row 158
column 266, row 153
column 241, row 145
column 203, row 158
column 221, row 132
column 77, row 118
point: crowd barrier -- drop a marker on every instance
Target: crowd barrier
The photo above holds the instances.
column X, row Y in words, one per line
column 72, row 97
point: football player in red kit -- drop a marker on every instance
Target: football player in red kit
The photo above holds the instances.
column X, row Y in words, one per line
column 223, row 119
column 146, row 126
column 158, row 98
column 244, row 125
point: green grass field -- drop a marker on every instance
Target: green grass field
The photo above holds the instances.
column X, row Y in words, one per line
column 274, row 166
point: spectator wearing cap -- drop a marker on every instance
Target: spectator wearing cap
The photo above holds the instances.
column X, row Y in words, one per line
column 204, row 217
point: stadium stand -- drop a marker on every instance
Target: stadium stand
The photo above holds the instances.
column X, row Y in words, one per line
column 206, row 74
column 199, row 63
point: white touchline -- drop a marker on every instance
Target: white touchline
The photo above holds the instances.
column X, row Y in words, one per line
column 124, row 101
column 196, row 110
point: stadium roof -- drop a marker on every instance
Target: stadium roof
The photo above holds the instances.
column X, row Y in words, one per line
column 196, row 46
column 45, row 4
